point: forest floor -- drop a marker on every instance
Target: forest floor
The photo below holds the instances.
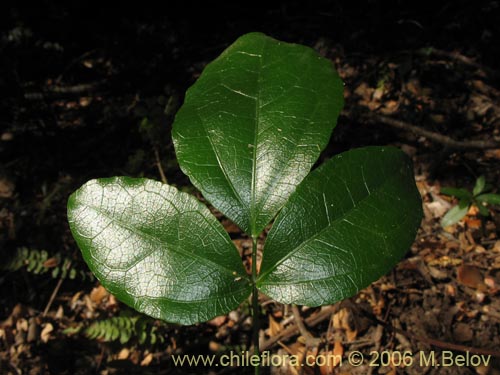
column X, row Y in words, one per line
column 91, row 109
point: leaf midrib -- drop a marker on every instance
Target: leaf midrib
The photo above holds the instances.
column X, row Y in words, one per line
column 316, row 235
column 253, row 214
column 169, row 247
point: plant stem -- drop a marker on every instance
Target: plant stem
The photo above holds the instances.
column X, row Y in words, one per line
column 255, row 303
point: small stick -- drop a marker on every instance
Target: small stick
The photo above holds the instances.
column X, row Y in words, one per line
column 300, row 324
column 433, row 136
column 53, row 296
column 54, row 293
column 460, row 58
column 324, row 314
column 159, row 166
column 311, row 341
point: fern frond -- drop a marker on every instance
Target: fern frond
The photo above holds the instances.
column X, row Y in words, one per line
column 38, row 262
column 124, row 329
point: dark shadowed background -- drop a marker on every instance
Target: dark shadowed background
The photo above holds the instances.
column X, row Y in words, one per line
column 90, row 90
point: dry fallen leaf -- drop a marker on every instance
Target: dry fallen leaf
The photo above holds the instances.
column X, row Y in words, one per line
column 438, row 208
column 22, row 325
column 98, row 294
column 450, row 290
column 214, row 346
column 473, row 223
column 124, row 354
column 112, row 302
column 6, row 188
column 32, row 330
column 479, row 249
column 378, row 94
column 480, row 296
column 45, row 334
column 217, row 321
column 462, row 332
column 297, row 350
column 341, row 320
column 274, row 327
column 332, row 359
column 147, row 360
column 364, row 91
column 338, row 351
column 88, row 304
column 467, row 243
column 496, row 247
column 85, row 101
column 469, row 276
column 437, row 274
column 390, row 106
column 60, row 312
column 490, row 282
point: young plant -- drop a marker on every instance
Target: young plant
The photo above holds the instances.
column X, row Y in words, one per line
column 247, row 135
column 479, row 196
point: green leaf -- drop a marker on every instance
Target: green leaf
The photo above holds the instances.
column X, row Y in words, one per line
column 157, row 249
column 253, row 125
column 482, row 209
column 347, row 224
column 459, row 193
column 456, row 213
column 480, row 185
column 489, row 198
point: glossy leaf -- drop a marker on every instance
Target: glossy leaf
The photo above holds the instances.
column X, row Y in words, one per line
column 254, row 123
column 347, row 224
column 456, row 213
column 479, row 186
column 489, row 198
column 157, row 249
column 454, row 192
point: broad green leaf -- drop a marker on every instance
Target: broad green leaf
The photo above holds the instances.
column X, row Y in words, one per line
column 157, row 249
column 479, row 187
column 456, row 213
column 482, row 209
column 454, row 192
column 253, row 125
column 489, row 198
column 347, row 224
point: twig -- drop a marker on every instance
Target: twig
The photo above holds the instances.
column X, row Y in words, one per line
column 436, row 137
column 311, row 341
column 460, row 58
column 100, row 359
column 159, row 166
column 54, row 292
column 75, row 89
column 50, row 91
column 53, row 296
column 300, row 324
column 311, row 321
